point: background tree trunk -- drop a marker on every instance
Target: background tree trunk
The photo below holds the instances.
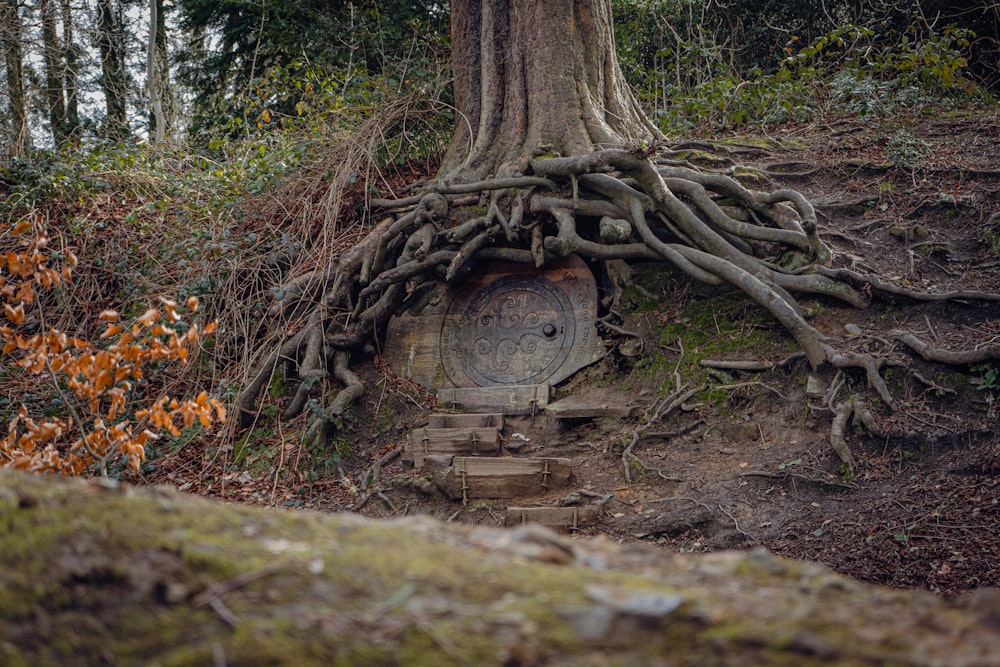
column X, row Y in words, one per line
column 71, row 72
column 156, row 67
column 52, row 54
column 114, row 77
column 536, row 76
column 10, row 37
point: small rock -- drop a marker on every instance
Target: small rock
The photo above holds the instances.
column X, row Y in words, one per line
column 815, row 387
column 175, row 593
column 615, row 230
column 634, row 603
column 534, row 542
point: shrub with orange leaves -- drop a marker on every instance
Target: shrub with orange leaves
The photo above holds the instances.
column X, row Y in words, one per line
column 95, row 382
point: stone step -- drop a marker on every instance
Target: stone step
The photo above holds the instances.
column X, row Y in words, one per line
column 568, row 519
column 475, row 420
column 428, row 441
column 469, row 477
column 527, row 399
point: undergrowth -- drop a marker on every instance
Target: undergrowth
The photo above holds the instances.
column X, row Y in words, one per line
column 276, row 186
column 684, row 69
column 273, row 188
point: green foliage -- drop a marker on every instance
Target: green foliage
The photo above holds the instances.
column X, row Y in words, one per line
column 907, row 151
column 337, row 449
column 991, row 234
column 368, row 39
column 989, row 379
column 291, row 112
column 691, row 67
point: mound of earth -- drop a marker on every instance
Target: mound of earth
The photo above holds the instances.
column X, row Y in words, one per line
column 714, row 457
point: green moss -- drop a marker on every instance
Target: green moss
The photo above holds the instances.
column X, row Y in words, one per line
column 765, row 143
column 714, row 397
column 703, row 158
column 708, row 322
column 750, row 176
column 278, row 386
column 87, row 574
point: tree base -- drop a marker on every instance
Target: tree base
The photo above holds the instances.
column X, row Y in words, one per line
column 611, row 206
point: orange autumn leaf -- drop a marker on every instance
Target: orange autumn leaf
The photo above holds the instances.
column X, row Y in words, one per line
column 14, row 313
column 112, row 330
column 149, row 317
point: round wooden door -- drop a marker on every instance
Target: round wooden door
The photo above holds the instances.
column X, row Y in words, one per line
column 508, row 328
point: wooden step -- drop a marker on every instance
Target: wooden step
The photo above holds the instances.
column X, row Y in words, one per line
column 482, row 420
column 561, row 518
column 503, row 477
column 427, row 441
column 583, row 407
column 527, row 399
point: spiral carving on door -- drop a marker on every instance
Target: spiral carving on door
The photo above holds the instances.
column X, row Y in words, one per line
column 516, row 330
column 509, row 326
column 506, row 324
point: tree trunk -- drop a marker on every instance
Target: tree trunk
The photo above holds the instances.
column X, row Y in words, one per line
column 52, row 54
column 97, row 574
column 536, row 77
column 156, row 64
column 114, row 78
column 71, row 53
column 10, row 38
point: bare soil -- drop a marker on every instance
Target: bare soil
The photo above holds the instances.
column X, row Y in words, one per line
column 750, row 465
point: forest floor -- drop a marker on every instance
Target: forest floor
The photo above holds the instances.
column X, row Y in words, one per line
column 917, row 202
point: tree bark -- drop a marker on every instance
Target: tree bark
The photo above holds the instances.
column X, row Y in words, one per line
column 536, row 77
column 52, row 55
column 114, row 78
column 99, row 573
column 156, row 64
column 71, row 75
column 10, row 37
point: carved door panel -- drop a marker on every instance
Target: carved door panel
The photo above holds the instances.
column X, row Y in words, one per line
column 520, row 328
column 516, row 330
column 508, row 324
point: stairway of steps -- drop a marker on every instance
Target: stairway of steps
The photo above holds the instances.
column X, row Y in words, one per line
column 468, row 460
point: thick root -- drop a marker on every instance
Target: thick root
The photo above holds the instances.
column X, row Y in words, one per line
column 610, row 205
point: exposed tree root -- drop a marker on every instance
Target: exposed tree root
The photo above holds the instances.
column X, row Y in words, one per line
column 661, row 409
column 862, row 417
column 975, row 356
column 610, row 205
